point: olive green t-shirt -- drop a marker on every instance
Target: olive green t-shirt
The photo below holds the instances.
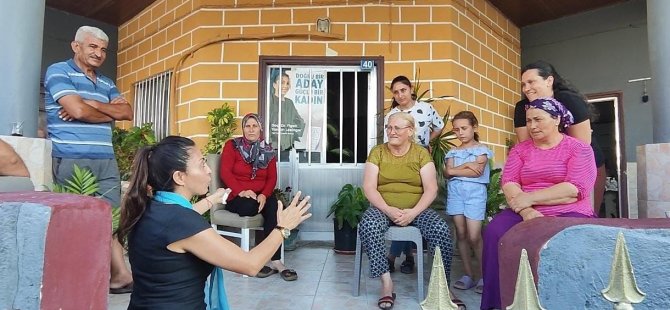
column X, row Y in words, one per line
column 399, row 181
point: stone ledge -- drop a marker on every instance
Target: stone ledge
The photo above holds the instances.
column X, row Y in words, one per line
column 579, row 252
column 75, row 271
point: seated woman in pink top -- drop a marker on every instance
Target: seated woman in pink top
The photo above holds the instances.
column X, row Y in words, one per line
column 551, row 174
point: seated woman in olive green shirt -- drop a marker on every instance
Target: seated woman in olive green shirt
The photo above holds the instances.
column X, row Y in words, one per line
column 400, row 182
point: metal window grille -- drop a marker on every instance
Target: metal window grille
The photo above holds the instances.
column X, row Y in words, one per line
column 152, row 102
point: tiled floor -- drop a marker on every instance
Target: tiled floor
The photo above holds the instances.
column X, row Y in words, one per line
column 324, row 283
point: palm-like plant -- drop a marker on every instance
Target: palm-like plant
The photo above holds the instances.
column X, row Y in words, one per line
column 441, row 145
column 82, row 182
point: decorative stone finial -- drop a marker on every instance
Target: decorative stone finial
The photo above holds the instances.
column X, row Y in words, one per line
column 622, row 289
column 438, row 290
column 525, row 293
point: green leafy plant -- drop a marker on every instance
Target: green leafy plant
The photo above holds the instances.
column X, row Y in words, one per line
column 82, row 182
column 222, row 127
column 495, row 197
column 441, row 145
column 349, row 206
column 128, row 142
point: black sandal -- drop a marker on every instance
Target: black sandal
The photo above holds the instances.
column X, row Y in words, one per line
column 407, row 266
column 289, row 275
column 386, row 300
column 266, row 272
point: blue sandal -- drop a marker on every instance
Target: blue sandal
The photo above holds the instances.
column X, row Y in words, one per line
column 464, row 283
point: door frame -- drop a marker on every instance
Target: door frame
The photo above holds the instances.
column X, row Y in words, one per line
column 325, row 61
column 265, row 61
column 617, row 97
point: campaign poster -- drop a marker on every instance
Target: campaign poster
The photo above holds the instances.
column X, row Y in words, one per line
column 309, row 96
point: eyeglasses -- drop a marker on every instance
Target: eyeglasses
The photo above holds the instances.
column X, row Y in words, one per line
column 390, row 128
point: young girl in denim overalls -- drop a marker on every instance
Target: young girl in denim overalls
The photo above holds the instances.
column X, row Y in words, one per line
column 467, row 171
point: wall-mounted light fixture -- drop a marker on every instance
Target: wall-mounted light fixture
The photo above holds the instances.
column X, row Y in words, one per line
column 323, row 24
column 645, row 97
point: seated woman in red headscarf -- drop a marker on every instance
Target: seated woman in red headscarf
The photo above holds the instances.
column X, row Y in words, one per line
column 249, row 169
column 551, row 174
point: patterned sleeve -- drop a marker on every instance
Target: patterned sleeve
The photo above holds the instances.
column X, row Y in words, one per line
column 436, row 119
column 512, row 170
column 58, row 83
column 581, row 169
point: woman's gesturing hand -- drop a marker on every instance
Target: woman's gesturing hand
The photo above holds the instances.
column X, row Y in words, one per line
column 295, row 213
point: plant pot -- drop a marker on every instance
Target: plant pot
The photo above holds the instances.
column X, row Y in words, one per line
column 345, row 238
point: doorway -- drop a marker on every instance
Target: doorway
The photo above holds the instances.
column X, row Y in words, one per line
column 608, row 131
column 322, row 116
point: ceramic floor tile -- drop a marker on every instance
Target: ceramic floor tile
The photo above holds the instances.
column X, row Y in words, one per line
column 324, row 283
column 339, row 289
column 338, row 303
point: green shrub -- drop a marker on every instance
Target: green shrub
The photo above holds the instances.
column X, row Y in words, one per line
column 128, row 142
column 222, row 127
column 349, row 206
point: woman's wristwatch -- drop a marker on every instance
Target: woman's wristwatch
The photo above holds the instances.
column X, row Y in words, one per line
column 285, row 232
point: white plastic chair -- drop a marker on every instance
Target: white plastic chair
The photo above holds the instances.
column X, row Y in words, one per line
column 394, row 233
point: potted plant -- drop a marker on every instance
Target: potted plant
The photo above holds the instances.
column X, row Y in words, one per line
column 347, row 211
column 222, row 127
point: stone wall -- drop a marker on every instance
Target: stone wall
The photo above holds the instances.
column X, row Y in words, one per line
column 463, row 48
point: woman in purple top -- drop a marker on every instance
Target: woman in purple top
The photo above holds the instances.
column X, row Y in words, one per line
column 551, row 174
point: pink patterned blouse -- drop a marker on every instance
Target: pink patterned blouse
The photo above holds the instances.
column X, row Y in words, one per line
column 570, row 161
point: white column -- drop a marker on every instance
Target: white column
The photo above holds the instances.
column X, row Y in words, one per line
column 658, row 27
column 21, row 30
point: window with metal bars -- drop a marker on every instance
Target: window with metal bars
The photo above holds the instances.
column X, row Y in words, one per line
column 152, row 102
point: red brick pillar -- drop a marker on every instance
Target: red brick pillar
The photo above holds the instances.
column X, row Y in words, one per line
column 76, row 250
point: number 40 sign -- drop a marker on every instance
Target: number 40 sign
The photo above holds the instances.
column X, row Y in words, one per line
column 367, row 65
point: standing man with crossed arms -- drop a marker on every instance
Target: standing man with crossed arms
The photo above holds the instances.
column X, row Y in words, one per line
column 82, row 106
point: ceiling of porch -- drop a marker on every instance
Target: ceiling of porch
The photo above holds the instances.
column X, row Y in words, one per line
column 521, row 12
